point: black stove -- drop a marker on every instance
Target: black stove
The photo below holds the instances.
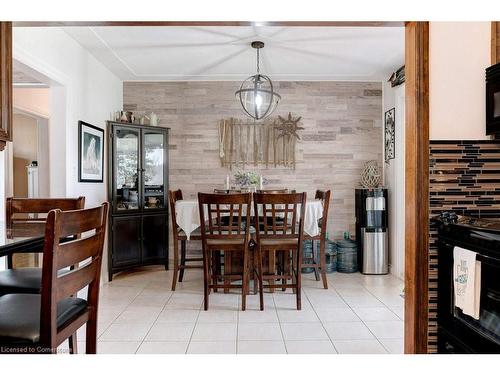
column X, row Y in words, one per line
column 457, row 332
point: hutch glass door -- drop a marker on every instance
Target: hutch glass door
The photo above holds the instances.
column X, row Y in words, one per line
column 126, row 167
column 154, row 159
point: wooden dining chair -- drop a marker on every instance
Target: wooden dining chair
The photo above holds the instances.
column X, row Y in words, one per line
column 319, row 265
column 281, row 226
column 39, row 323
column 26, row 217
column 229, row 236
column 180, row 237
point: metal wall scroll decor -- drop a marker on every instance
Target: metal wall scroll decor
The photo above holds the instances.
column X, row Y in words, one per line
column 390, row 134
column 271, row 143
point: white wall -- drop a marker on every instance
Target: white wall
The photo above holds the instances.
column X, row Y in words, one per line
column 33, row 100
column 394, row 179
column 459, row 52
column 81, row 89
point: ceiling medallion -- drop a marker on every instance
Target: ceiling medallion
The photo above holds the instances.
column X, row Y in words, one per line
column 256, row 94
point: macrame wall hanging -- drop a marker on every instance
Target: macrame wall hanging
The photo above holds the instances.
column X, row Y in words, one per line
column 271, row 143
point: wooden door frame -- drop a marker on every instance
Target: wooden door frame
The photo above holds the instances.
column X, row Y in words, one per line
column 417, row 186
column 416, row 150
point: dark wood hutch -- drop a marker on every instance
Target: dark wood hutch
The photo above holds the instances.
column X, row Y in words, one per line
column 138, row 194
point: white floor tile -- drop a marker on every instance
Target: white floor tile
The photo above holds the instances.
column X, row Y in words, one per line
column 328, row 302
column 363, row 301
column 125, row 332
column 353, row 292
column 289, row 301
column 387, row 330
column 359, row 347
column 310, row 347
column 399, row 311
column 393, row 346
column 214, row 332
column 170, row 332
column 259, row 331
column 347, row 331
column 340, row 314
column 218, row 316
column 149, row 301
column 212, row 347
column 138, row 315
column 257, row 316
column 163, row 347
column 297, row 316
column 178, row 316
column 303, row 331
column 261, row 347
column 117, row 347
column 368, row 314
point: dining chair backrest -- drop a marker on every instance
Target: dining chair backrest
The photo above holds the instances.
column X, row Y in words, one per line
column 279, row 215
column 273, row 191
column 72, row 238
column 26, row 216
column 173, row 197
column 227, row 191
column 225, row 215
column 324, row 196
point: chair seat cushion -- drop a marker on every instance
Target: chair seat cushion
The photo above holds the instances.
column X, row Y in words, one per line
column 20, row 316
column 20, row 280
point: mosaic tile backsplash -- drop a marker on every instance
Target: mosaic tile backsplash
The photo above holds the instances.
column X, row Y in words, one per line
column 464, row 178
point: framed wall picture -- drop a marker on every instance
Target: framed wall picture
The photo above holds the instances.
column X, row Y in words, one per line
column 389, row 134
column 90, row 153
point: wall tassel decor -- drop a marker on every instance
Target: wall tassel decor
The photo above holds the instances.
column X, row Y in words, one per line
column 272, row 142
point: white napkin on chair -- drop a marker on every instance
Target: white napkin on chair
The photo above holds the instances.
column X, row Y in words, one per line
column 467, row 281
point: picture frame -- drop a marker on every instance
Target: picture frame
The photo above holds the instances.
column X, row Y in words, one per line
column 90, row 153
column 390, row 134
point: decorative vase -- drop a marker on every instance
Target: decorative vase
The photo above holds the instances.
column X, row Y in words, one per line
column 370, row 177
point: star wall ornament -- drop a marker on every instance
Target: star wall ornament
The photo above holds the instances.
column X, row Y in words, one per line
column 288, row 126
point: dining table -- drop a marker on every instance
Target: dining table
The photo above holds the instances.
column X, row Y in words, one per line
column 25, row 243
column 188, row 216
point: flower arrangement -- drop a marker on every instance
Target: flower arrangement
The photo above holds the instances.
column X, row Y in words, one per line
column 248, row 178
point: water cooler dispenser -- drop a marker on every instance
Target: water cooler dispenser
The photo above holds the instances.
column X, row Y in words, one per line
column 371, row 231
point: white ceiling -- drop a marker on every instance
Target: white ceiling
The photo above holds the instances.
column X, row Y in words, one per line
column 224, row 53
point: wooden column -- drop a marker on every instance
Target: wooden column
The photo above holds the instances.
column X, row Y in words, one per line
column 495, row 42
column 417, row 186
column 5, row 83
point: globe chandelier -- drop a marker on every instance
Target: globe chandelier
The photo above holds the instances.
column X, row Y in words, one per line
column 256, row 94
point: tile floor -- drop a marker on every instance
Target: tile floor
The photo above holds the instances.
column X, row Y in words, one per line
column 357, row 314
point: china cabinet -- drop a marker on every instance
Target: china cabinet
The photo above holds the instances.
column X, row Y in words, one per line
column 138, row 188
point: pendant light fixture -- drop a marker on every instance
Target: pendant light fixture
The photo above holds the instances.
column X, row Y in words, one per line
column 256, row 94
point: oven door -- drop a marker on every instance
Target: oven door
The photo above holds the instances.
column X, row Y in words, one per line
column 479, row 335
column 488, row 324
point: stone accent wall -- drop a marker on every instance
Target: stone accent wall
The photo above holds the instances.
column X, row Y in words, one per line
column 343, row 130
column 465, row 179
